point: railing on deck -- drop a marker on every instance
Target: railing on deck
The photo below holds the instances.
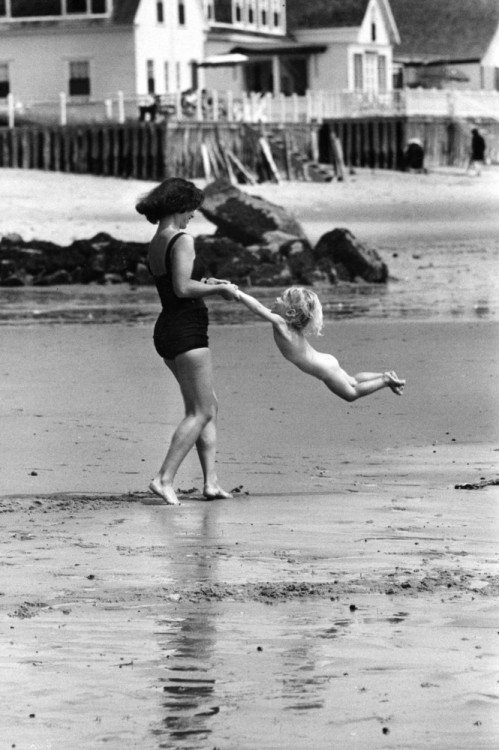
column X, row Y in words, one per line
column 212, row 106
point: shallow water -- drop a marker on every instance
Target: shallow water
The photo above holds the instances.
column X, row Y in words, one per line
column 442, row 280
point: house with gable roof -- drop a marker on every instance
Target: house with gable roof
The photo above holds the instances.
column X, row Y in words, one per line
column 447, row 44
column 94, row 48
column 358, row 37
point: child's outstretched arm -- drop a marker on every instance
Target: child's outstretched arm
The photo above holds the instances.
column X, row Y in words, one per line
column 263, row 312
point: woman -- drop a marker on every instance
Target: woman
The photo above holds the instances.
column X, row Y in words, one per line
column 181, row 331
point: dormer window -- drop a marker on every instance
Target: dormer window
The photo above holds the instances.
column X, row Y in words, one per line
column 160, row 12
column 373, row 32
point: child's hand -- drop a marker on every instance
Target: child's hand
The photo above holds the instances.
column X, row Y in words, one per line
column 393, row 382
column 228, row 291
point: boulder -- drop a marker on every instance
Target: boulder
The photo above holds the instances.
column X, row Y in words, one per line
column 223, row 258
column 246, row 218
column 339, row 252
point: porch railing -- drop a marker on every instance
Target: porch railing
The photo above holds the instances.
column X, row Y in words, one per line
column 315, row 106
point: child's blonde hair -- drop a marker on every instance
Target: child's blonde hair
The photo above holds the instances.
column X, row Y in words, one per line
column 304, row 311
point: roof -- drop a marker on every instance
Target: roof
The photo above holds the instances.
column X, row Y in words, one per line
column 284, row 47
column 336, row 14
column 315, row 14
column 444, row 29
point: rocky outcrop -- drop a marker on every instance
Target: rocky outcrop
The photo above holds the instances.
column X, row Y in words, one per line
column 246, row 218
column 256, row 243
column 338, row 252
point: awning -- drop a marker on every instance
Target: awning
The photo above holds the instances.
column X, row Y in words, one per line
column 280, row 48
column 233, row 58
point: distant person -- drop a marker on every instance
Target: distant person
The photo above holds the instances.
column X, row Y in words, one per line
column 148, row 111
column 414, row 156
column 297, row 313
column 181, row 331
column 477, row 152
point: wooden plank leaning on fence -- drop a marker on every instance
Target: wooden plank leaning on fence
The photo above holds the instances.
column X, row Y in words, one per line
column 269, row 159
column 337, row 151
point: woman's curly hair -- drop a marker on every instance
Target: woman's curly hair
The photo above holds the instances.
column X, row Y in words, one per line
column 172, row 196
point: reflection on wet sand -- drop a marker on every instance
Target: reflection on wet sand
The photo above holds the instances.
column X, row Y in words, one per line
column 188, row 644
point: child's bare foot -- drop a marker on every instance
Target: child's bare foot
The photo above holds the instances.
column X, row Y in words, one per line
column 215, row 492
column 164, row 491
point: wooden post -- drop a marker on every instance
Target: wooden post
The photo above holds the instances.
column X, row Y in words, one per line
column 308, row 99
column 108, row 107
column 11, row 110
column 230, row 106
column 199, row 106
column 214, row 96
column 63, row 112
column 296, row 112
column 121, row 107
column 375, row 144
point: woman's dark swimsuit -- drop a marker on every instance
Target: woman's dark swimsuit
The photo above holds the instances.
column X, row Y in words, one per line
column 183, row 323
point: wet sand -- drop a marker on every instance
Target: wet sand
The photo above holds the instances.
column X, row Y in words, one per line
column 346, row 596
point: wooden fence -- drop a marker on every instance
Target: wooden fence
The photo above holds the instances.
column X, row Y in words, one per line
column 152, row 151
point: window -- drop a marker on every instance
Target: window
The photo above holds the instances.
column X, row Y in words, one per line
column 160, row 12
column 27, row 8
column 181, row 13
column 277, row 18
column 4, row 80
column 382, row 74
column 79, row 78
column 264, row 17
column 3, row 8
column 251, row 14
column 98, row 6
column 239, row 14
column 76, row 6
column 151, row 83
column 358, row 78
column 373, row 32
column 194, row 75
column 223, row 11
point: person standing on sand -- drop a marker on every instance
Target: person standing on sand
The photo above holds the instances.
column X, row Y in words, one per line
column 477, row 152
column 294, row 315
column 181, row 331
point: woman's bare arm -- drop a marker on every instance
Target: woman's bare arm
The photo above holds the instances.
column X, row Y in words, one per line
column 183, row 256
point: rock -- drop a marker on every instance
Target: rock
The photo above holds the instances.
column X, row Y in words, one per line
column 59, row 277
column 142, row 276
column 223, row 258
column 271, row 274
column 246, row 218
column 350, row 258
column 15, row 279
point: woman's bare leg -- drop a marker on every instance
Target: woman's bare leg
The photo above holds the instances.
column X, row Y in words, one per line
column 206, row 446
column 194, row 374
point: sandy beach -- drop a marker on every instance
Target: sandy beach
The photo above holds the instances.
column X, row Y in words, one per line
column 347, row 597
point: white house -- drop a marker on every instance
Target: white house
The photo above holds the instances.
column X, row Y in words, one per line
column 94, row 48
column 91, row 49
column 357, row 39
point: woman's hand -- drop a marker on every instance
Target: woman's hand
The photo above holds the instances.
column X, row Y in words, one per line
column 227, row 290
column 213, row 281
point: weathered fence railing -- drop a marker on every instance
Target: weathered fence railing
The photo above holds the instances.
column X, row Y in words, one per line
column 154, row 150
column 224, row 106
